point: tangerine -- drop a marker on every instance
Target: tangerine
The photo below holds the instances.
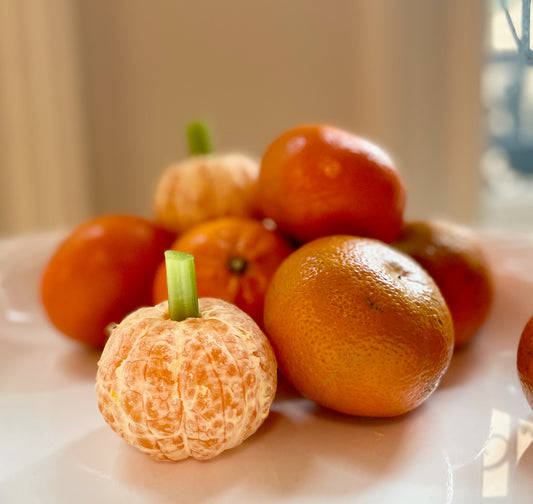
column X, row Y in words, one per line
column 319, row 180
column 205, row 187
column 235, row 258
column 358, row 327
column 454, row 257
column 101, row 271
column 524, row 361
column 192, row 388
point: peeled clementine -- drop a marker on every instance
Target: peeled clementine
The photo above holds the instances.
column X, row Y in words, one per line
column 235, row 259
column 192, row 388
column 205, row 187
column 358, row 327
column 524, row 361
column 454, row 257
column 318, row 180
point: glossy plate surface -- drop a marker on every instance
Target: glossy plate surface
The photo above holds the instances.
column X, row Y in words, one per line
column 470, row 442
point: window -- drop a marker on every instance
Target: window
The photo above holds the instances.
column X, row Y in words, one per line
column 507, row 87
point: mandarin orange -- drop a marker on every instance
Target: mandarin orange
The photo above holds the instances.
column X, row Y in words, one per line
column 358, row 327
column 318, row 180
column 235, row 259
column 100, row 272
column 524, row 361
column 192, row 388
column 454, row 257
column 204, row 187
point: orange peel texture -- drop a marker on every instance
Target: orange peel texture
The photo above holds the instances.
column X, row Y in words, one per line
column 186, row 389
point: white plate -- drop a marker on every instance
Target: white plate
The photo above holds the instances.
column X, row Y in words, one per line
column 469, row 442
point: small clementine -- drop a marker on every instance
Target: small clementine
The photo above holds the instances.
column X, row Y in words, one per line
column 100, row 272
column 358, row 327
column 235, row 259
column 189, row 388
column 454, row 257
column 318, row 180
column 524, row 361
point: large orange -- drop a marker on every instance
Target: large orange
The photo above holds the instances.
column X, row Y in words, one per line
column 524, row 361
column 454, row 257
column 358, row 327
column 318, row 180
column 235, row 258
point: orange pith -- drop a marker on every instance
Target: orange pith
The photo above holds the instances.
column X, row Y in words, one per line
column 319, row 180
column 206, row 187
column 186, row 389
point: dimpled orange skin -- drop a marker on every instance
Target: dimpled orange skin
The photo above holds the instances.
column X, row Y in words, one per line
column 319, row 180
column 524, row 361
column 186, row 389
column 204, row 187
column 454, row 257
column 358, row 327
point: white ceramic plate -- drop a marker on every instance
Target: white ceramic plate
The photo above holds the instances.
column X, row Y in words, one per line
column 469, row 442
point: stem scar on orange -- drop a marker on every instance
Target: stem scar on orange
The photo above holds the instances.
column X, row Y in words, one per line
column 358, row 327
column 235, row 259
column 319, row 180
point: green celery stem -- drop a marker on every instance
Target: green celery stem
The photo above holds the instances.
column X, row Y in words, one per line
column 199, row 139
column 181, row 284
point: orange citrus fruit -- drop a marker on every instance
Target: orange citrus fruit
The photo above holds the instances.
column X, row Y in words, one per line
column 319, row 180
column 454, row 257
column 524, row 361
column 358, row 327
column 235, row 259
column 102, row 271
column 205, row 187
column 192, row 388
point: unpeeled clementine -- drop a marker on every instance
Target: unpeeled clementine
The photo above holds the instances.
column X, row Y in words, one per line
column 358, row 327
column 453, row 255
column 318, row 180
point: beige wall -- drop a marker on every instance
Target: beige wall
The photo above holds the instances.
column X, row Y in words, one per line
column 402, row 72
column 250, row 68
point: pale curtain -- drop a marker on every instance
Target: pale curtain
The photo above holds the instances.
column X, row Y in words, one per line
column 44, row 181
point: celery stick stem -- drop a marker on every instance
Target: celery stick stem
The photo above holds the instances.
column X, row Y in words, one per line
column 199, row 139
column 181, row 284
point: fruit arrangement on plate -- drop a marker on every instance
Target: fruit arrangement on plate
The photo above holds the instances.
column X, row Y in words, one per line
column 301, row 263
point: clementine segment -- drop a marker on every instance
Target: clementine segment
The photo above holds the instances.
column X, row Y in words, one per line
column 454, row 257
column 524, row 361
column 235, row 259
column 358, row 327
column 319, row 180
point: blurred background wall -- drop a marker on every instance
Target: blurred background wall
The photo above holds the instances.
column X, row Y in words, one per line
column 95, row 95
